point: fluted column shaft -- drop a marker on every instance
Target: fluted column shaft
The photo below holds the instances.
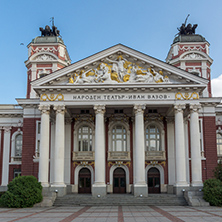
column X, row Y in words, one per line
column 99, row 145
column 196, row 169
column 139, row 145
column 59, row 146
column 44, row 146
column 180, row 147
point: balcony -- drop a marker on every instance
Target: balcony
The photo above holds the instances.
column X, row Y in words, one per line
column 118, row 155
column 83, row 155
column 16, row 159
column 155, row 155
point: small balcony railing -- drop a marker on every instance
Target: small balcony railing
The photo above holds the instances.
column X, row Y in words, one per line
column 118, row 155
column 16, row 159
column 83, row 155
column 155, row 155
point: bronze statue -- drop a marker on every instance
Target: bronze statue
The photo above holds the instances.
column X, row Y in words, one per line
column 187, row 30
column 49, row 32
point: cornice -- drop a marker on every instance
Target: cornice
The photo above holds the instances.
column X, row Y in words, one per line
column 126, row 51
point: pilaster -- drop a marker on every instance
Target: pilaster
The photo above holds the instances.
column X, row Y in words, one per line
column 6, row 153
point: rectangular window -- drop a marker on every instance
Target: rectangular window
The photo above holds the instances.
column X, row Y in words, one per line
column 201, row 137
column 38, row 136
column 16, row 173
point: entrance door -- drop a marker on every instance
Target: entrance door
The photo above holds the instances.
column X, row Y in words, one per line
column 153, row 180
column 84, row 181
column 119, row 181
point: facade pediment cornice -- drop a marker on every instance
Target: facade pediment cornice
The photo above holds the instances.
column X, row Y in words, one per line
column 125, row 61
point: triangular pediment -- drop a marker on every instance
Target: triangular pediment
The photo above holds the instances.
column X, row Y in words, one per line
column 119, row 65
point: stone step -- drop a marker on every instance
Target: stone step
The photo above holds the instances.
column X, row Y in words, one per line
column 117, row 199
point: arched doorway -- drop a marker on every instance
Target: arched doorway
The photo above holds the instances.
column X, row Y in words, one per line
column 84, row 181
column 119, row 181
column 153, row 178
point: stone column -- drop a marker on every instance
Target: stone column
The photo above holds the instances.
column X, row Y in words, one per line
column 140, row 186
column 44, row 146
column 171, row 153
column 6, row 153
column 59, row 149
column 99, row 187
column 181, row 180
column 196, row 169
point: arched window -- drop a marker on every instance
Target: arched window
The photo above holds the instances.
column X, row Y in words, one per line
column 152, row 138
column 85, row 138
column 219, row 144
column 18, row 145
column 118, row 138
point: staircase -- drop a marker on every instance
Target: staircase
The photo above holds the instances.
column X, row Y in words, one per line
column 120, row 199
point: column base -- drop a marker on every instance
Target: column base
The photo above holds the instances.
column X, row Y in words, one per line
column 98, row 190
column 44, row 184
column 139, row 190
column 197, row 184
column 59, row 190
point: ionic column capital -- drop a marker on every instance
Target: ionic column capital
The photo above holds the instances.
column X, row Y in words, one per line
column 99, row 109
column 7, row 129
column 59, row 108
column 195, row 107
column 44, row 109
column 179, row 108
column 68, row 121
column 139, row 109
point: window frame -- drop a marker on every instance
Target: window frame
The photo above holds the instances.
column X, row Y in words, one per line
column 77, row 126
column 112, row 125
column 13, row 145
column 159, row 125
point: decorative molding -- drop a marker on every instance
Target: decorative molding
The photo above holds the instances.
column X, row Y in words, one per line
column 192, row 48
column 139, row 109
column 52, row 97
column 59, row 108
column 119, row 163
column 179, row 107
column 83, row 163
column 119, row 117
column 193, row 56
column 186, row 96
column 155, row 162
column 99, row 109
column 7, row 129
column 44, row 109
column 44, row 57
column 195, row 107
column 84, row 118
column 153, row 117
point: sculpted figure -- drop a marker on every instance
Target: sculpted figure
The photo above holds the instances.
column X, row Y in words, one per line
column 48, row 32
column 103, row 73
column 143, row 76
column 158, row 77
column 118, row 66
column 82, row 78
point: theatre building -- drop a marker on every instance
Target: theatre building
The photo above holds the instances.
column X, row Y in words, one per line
column 118, row 121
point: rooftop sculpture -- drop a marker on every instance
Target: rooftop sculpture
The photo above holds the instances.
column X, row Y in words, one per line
column 48, row 31
column 187, row 30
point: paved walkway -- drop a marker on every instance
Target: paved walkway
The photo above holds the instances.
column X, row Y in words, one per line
column 113, row 214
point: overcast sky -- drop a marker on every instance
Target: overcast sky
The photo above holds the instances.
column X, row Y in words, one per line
column 89, row 26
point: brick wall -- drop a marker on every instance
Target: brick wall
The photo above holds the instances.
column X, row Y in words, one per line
column 28, row 149
column 210, row 146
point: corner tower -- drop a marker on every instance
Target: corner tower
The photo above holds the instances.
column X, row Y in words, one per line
column 46, row 54
column 190, row 52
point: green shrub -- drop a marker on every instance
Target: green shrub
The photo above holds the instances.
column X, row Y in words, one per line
column 218, row 171
column 213, row 192
column 23, row 191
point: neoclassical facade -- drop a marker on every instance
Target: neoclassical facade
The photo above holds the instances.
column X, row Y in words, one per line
column 118, row 121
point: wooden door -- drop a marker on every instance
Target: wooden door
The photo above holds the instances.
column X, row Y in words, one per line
column 153, row 180
column 119, row 181
column 84, row 181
